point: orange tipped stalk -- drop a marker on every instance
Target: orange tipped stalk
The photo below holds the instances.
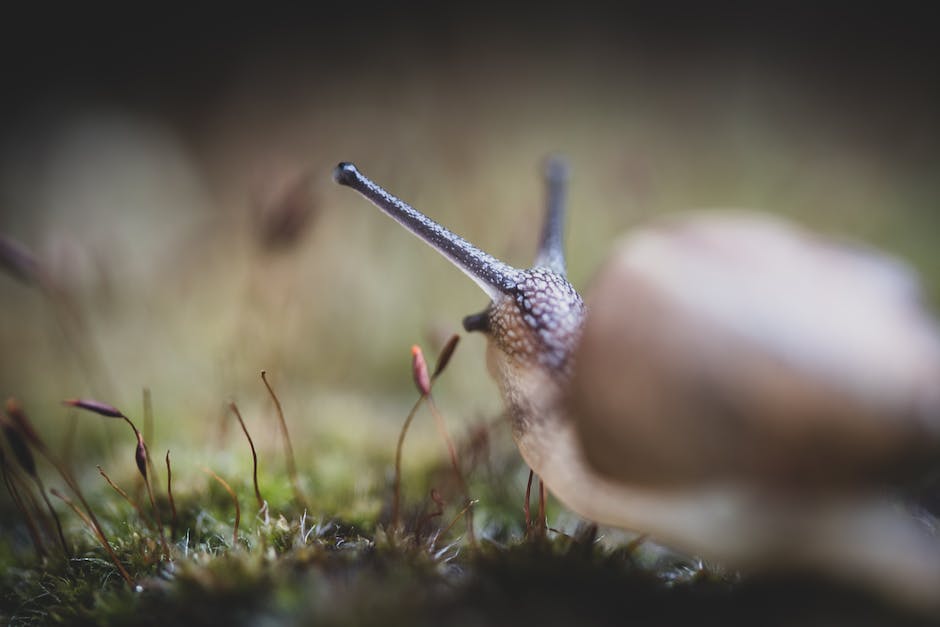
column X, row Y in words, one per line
column 419, row 371
column 423, row 383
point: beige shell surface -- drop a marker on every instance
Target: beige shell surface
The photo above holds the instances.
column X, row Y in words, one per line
column 740, row 347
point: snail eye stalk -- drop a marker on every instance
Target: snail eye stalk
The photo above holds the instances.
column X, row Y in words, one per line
column 492, row 275
column 551, row 252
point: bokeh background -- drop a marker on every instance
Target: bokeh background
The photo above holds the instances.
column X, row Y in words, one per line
column 170, row 170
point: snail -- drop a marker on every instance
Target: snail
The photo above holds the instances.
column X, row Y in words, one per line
column 735, row 387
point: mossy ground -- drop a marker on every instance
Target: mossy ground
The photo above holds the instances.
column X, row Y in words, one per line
column 326, row 564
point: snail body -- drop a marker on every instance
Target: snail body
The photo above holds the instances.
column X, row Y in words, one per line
column 716, row 391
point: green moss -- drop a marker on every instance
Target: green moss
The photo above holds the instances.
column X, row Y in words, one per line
column 297, row 567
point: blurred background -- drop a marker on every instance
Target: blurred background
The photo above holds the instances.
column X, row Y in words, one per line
column 170, row 172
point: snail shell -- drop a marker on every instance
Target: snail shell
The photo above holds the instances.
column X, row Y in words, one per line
column 747, row 391
column 737, row 347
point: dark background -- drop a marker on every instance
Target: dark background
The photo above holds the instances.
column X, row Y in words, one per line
column 173, row 61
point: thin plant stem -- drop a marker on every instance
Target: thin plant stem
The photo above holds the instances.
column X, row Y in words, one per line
column 169, row 495
column 156, row 513
column 147, row 484
column 396, row 494
column 542, row 498
column 27, row 517
column 27, row 430
column 445, row 435
column 55, row 517
column 82, row 515
column 44, row 524
column 92, row 522
column 254, row 455
column 288, row 449
column 91, row 518
column 231, row 492
column 424, row 519
column 149, row 521
column 442, row 429
column 466, row 508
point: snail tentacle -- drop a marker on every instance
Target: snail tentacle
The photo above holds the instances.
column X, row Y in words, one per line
column 551, row 252
column 492, row 275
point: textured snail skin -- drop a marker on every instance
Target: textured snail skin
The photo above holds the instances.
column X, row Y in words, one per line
column 747, row 460
column 530, row 336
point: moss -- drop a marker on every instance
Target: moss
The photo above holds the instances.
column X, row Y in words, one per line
column 294, row 567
